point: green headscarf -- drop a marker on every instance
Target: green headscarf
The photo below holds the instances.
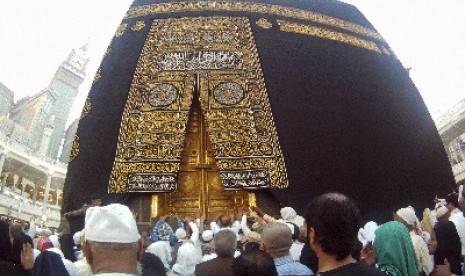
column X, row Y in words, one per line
column 394, row 250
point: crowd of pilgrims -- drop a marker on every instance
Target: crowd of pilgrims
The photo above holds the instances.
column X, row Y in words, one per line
column 327, row 240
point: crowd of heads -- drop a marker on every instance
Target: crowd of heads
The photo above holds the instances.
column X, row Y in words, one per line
column 328, row 238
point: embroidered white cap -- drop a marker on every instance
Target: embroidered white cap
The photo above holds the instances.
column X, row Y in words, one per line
column 54, row 240
column 408, row 215
column 207, row 235
column 441, row 210
column 180, row 233
column 77, row 237
column 112, row 223
column 287, row 213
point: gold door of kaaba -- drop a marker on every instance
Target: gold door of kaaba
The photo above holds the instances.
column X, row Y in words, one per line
column 199, row 183
column 197, row 131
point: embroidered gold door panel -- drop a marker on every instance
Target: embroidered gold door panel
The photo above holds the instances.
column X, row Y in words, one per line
column 199, row 187
column 197, row 122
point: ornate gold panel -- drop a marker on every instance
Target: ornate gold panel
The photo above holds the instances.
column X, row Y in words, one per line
column 215, row 59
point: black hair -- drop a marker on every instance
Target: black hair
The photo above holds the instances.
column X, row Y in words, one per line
column 254, row 263
column 295, row 232
column 251, row 245
column 152, row 265
column 5, row 244
column 453, row 198
column 19, row 238
column 335, row 220
column 356, row 250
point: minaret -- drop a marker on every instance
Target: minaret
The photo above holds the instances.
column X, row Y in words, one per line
column 64, row 88
column 35, row 112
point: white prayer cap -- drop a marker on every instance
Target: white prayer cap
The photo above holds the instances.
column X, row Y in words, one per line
column 441, row 210
column 207, row 235
column 408, row 215
column 43, row 231
column 112, row 223
column 162, row 250
column 180, row 233
column 54, row 240
column 288, row 213
column 367, row 233
column 77, row 238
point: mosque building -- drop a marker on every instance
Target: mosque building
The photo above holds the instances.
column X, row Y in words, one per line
column 31, row 135
column 451, row 127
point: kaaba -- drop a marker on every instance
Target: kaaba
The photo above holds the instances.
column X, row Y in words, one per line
column 212, row 106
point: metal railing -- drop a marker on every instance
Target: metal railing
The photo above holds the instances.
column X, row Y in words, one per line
column 22, row 207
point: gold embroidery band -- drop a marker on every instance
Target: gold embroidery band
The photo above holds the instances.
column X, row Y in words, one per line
column 98, row 75
column 255, row 8
column 86, row 108
column 138, row 26
column 120, row 30
column 310, row 30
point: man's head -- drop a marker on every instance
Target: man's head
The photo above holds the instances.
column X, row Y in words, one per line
column 112, row 241
column 442, row 213
column 225, row 243
column 207, row 235
column 333, row 221
column 254, row 263
column 277, row 239
column 16, row 229
column 406, row 216
column 180, row 233
column 452, row 201
column 225, row 221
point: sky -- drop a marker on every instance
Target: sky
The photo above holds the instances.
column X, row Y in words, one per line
column 428, row 36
